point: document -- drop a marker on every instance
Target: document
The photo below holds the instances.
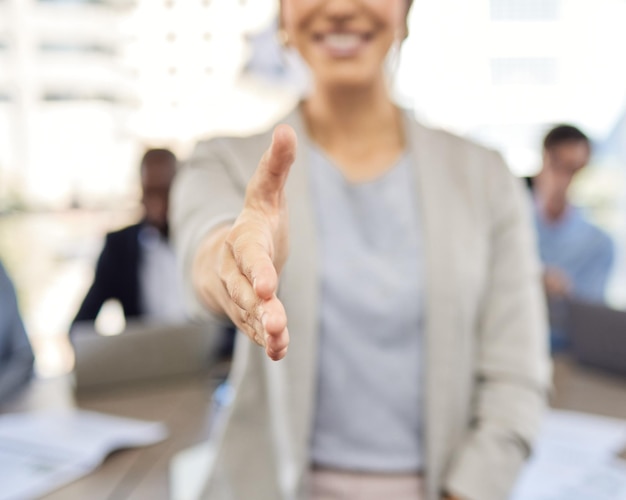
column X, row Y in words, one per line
column 189, row 471
column 42, row 451
column 576, row 458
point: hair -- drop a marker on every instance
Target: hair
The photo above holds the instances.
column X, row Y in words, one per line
column 157, row 156
column 564, row 133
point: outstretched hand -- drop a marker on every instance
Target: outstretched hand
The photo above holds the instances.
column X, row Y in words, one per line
column 251, row 254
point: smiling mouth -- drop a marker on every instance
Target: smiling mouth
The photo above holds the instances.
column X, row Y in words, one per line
column 342, row 44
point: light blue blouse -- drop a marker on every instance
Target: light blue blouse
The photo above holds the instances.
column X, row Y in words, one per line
column 368, row 413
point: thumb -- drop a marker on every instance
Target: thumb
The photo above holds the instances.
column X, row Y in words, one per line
column 271, row 174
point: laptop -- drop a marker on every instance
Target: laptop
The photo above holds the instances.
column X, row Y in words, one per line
column 142, row 352
column 598, row 336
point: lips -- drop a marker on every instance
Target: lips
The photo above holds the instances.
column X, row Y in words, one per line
column 342, row 44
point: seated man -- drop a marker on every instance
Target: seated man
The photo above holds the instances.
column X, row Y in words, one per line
column 137, row 265
column 16, row 355
column 577, row 255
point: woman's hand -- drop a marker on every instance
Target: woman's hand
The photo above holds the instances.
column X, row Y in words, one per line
column 236, row 270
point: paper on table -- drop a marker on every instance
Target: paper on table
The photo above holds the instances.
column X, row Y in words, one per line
column 42, row 451
column 575, row 459
column 189, row 470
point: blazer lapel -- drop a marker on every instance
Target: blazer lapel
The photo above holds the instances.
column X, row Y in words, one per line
column 436, row 209
column 301, row 274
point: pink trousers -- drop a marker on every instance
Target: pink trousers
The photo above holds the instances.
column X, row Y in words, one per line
column 327, row 484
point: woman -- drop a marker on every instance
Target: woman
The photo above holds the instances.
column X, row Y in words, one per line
column 401, row 257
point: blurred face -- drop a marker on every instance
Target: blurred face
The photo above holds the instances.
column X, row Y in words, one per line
column 156, row 180
column 560, row 165
column 344, row 42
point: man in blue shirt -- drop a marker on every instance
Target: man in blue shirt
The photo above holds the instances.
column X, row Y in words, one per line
column 16, row 355
column 577, row 255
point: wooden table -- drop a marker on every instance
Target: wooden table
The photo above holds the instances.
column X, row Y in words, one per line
column 143, row 473
column 587, row 390
column 138, row 473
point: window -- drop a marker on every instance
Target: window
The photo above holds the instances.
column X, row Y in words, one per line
column 77, row 48
column 65, row 96
column 524, row 10
column 110, row 3
column 524, row 71
column 94, row 2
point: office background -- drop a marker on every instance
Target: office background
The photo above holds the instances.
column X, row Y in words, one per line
column 86, row 85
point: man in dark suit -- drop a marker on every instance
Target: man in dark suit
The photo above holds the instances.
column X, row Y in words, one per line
column 137, row 266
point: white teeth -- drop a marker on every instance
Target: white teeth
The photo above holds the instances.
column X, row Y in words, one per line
column 342, row 41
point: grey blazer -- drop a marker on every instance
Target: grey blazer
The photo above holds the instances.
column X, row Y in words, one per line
column 486, row 365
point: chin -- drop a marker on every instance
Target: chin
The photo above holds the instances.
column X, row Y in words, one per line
column 348, row 78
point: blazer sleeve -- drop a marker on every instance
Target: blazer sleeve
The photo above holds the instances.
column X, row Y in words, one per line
column 208, row 192
column 513, row 367
column 101, row 289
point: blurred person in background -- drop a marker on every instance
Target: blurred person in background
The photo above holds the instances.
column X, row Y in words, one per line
column 137, row 265
column 577, row 255
column 16, row 355
column 404, row 261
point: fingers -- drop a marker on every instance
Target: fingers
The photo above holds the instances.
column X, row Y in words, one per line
column 255, row 250
column 253, row 260
column 273, row 317
column 270, row 331
column 264, row 320
column 274, row 321
column 271, row 174
column 277, row 347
